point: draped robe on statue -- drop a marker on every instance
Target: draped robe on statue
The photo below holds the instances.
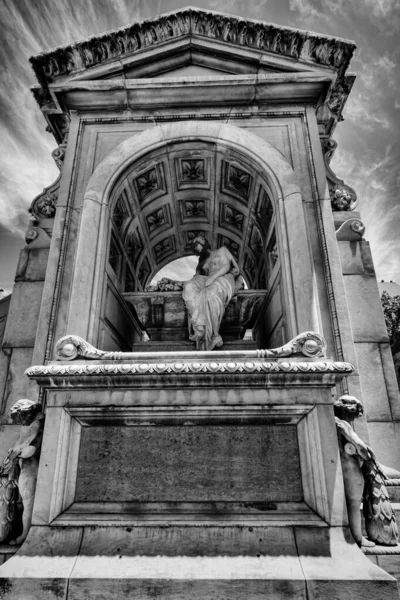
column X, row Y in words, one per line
column 206, row 306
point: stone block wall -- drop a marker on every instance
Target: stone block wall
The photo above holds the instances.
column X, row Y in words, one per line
column 375, row 382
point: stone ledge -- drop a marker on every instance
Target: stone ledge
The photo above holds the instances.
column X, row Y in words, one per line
column 238, row 562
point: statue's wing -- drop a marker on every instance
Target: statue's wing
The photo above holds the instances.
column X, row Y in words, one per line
column 380, row 520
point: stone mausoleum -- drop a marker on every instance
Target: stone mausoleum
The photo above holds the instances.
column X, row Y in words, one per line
column 166, row 470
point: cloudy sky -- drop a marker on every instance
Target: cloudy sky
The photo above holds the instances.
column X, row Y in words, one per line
column 369, row 150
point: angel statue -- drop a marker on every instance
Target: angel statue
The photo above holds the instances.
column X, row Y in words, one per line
column 18, row 472
column 208, row 293
column 364, row 480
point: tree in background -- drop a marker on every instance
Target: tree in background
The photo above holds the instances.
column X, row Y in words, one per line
column 391, row 312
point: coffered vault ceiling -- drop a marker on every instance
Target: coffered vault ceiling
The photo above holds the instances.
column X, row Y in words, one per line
column 175, row 193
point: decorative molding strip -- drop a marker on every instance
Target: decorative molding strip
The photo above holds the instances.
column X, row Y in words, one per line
column 381, row 550
column 342, row 196
column 324, row 251
column 309, row 344
column 189, row 367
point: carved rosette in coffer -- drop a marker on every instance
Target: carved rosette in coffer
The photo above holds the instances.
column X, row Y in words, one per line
column 150, row 183
column 193, row 172
column 235, row 181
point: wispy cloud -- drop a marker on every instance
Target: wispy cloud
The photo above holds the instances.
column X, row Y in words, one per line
column 368, row 154
column 376, row 180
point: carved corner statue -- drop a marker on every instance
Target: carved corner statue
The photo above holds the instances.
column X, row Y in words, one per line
column 206, row 296
column 18, row 472
column 364, row 480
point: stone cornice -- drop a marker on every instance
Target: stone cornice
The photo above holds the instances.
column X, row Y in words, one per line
column 300, row 45
column 306, row 365
column 263, row 47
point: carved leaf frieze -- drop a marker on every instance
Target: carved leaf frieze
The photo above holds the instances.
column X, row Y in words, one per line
column 259, row 35
column 185, row 367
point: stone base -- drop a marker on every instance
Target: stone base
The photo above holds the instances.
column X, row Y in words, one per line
column 176, row 562
column 181, row 345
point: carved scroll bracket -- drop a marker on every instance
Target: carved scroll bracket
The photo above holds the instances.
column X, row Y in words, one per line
column 36, row 237
column 44, row 205
column 342, row 196
column 351, row 230
column 309, row 344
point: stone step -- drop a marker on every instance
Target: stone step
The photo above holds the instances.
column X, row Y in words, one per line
column 7, row 552
column 179, row 345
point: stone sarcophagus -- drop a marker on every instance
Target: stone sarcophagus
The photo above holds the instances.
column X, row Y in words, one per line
column 164, row 315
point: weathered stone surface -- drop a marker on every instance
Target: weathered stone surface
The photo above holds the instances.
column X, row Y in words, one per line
column 23, row 315
column 373, row 383
column 15, row 382
column 189, row 464
column 365, row 308
column 351, row 574
column 385, row 439
column 351, row 258
column 32, row 264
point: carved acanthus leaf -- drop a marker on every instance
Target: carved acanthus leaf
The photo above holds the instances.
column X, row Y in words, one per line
column 258, row 35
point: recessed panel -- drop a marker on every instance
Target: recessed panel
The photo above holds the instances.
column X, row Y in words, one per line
column 183, row 463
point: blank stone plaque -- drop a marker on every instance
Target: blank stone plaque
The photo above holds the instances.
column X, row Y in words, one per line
column 180, row 463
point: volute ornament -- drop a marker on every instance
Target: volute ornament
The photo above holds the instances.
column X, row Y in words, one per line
column 342, row 196
column 351, row 230
column 44, row 205
column 309, row 344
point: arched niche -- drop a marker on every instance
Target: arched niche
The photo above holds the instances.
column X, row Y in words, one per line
column 155, row 191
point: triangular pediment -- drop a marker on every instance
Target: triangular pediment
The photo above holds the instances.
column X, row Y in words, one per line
column 191, row 44
column 192, row 36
